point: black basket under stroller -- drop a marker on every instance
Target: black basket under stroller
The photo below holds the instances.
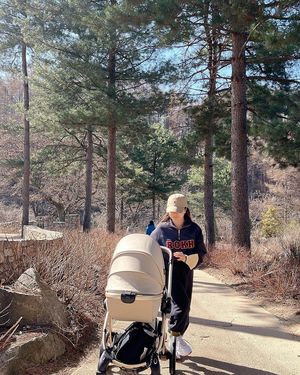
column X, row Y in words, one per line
column 137, row 292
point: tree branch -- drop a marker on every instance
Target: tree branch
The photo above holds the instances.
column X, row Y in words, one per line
column 274, row 79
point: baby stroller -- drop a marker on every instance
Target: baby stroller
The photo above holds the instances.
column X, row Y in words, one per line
column 136, row 292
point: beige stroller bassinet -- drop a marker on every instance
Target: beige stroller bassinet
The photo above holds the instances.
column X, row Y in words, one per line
column 136, row 279
column 136, row 292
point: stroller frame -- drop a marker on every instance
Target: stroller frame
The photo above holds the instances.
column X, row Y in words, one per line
column 106, row 347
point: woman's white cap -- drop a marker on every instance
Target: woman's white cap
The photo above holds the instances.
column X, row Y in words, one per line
column 176, row 203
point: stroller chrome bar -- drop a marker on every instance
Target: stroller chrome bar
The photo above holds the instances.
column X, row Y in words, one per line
column 170, row 262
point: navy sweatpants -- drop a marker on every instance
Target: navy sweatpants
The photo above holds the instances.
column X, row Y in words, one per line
column 182, row 286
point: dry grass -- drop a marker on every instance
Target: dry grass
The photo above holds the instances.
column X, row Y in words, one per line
column 10, row 213
column 271, row 270
column 223, row 227
column 273, row 267
column 225, row 256
column 77, row 271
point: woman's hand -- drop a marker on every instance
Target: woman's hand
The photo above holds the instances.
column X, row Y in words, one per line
column 179, row 255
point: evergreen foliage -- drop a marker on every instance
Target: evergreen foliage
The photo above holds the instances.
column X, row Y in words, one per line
column 149, row 169
column 99, row 74
column 14, row 25
column 270, row 223
column 105, row 68
column 275, row 123
column 222, row 194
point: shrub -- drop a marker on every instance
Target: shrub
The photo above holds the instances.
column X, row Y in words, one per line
column 270, row 223
column 276, row 280
column 226, row 256
column 290, row 241
column 275, row 276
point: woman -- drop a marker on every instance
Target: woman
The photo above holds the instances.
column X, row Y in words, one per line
column 179, row 233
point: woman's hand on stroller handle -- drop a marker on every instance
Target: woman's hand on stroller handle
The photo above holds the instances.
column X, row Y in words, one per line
column 179, row 255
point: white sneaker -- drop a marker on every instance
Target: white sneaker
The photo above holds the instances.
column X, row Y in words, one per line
column 183, row 348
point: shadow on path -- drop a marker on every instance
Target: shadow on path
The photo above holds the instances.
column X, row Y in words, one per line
column 214, row 288
column 198, row 365
column 260, row 331
column 205, row 283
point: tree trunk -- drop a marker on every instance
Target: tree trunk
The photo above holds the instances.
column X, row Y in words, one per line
column 61, row 213
column 153, row 185
column 26, row 169
column 112, row 132
column 212, row 45
column 208, row 191
column 122, row 212
column 239, row 184
column 158, row 210
column 88, row 182
column 111, row 179
column 153, row 206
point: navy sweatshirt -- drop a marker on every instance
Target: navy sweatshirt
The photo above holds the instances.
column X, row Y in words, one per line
column 189, row 240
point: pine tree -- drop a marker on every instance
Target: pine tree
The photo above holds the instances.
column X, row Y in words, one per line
column 242, row 21
column 14, row 21
column 149, row 170
column 107, row 74
column 248, row 22
column 193, row 27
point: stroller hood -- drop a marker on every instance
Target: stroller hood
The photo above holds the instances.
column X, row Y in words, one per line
column 137, row 266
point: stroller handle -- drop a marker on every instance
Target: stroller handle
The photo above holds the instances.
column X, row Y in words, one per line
column 167, row 251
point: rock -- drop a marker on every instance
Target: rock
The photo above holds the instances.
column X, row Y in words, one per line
column 31, row 351
column 30, row 280
column 33, row 300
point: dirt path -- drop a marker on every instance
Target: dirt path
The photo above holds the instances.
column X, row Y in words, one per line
column 230, row 335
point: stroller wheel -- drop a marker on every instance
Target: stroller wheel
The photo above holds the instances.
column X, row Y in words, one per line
column 155, row 365
column 101, row 350
column 101, row 347
column 172, row 358
column 104, row 361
